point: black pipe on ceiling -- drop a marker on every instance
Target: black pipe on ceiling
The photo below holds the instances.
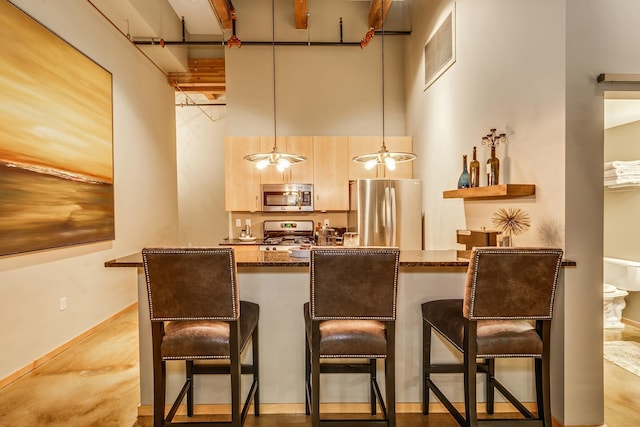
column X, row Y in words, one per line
column 163, row 43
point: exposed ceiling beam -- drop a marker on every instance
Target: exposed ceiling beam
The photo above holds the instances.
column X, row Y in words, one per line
column 224, row 11
column 205, row 75
column 375, row 15
column 301, row 10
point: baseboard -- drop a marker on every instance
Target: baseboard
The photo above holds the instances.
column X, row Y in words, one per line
column 353, row 408
column 334, row 408
column 53, row 353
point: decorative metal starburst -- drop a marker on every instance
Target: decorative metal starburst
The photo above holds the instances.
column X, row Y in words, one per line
column 511, row 221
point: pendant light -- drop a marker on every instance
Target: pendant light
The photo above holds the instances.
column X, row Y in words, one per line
column 383, row 156
column 274, row 158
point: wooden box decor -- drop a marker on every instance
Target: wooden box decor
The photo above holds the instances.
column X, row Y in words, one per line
column 56, row 140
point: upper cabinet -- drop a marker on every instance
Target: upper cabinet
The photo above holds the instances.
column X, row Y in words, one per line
column 242, row 178
column 331, row 173
column 328, row 167
column 370, row 144
column 297, row 173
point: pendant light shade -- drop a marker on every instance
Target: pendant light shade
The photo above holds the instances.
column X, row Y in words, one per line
column 274, row 158
column 383, row 156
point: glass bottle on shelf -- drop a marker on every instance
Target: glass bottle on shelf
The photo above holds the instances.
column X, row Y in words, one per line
column 474, row 171
column 493, row 168
column 463, row 181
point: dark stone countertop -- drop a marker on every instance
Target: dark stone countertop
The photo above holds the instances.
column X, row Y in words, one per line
column 446, row 260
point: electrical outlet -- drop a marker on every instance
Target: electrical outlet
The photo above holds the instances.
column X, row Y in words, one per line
column 238, row 222
column 247, row 222
column 326, row 222
column 63, row 303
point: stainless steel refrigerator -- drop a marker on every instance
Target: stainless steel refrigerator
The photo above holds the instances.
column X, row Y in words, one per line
column 386, row 212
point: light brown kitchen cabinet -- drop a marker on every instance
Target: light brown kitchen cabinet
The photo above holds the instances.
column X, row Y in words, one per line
column 301, row 173
column 370, row 144
column 242, row 178
column 331, row 173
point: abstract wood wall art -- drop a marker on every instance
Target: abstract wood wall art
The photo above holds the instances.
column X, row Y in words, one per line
column 440, row 50
column 56, row 140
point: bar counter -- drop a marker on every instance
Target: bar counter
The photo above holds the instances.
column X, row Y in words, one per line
column 279, row 283
column 255, row 258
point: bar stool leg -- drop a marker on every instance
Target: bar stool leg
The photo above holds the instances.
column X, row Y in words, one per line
column 426, row 365
column 490, row 389
column 307, row 375
column 189, row 375
column 315, row 378
column 390, row 376
column 372, row 380
column 470, row 372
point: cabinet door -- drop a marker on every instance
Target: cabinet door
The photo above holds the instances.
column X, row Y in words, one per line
column 331, row 173
column 362, row 145
column 298, row 173
column 301, row 173
column 370, row 144
column 242, row 178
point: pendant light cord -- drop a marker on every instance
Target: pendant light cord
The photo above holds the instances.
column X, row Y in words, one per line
column 382, row 30
column 273, row 56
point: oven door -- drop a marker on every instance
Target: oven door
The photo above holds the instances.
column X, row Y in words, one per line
column 287, row 198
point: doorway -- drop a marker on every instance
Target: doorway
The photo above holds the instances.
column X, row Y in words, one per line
column 621, row 234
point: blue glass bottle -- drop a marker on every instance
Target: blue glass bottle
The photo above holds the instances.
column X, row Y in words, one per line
column 463, row 181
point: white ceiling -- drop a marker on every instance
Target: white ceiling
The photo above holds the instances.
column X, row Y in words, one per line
column 198, row 16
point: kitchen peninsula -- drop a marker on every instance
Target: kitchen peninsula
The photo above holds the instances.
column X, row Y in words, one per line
column 279, row 283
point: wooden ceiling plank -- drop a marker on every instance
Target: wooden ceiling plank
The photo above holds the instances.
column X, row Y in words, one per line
column 375, row 18
column 224, row 12
column 301, row 12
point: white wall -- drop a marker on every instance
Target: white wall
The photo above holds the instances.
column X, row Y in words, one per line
column 319, row 90
column 529, row 69
column 145, row 200
column 200, row 149
column 506, row 76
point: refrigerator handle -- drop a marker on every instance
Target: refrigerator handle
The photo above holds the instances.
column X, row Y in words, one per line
column 392, row 218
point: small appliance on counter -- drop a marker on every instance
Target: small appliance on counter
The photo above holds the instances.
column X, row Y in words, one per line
column 478, row 238
column 246, row 236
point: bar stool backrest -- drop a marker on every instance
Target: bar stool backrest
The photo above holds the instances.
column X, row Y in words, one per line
column 354, row 283
column 191, row 283
column 511, row 283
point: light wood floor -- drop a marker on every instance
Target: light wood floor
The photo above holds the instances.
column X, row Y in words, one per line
column 95, row 383
column 621, row 388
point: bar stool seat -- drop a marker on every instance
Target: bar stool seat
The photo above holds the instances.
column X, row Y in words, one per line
column 493, row 337
column 349, row 338
column 207, row 339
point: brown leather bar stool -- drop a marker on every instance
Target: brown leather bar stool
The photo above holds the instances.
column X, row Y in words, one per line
column 351, row 315
column 196, row 315
column 506, row 312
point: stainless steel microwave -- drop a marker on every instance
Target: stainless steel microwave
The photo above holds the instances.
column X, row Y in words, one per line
column 287, row 197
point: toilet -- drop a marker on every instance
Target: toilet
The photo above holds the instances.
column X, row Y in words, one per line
column 621, row 276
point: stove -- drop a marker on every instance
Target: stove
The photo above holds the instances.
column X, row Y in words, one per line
column 286, row 235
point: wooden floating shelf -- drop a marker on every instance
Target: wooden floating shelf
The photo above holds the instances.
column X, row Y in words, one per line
column 501, row 191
